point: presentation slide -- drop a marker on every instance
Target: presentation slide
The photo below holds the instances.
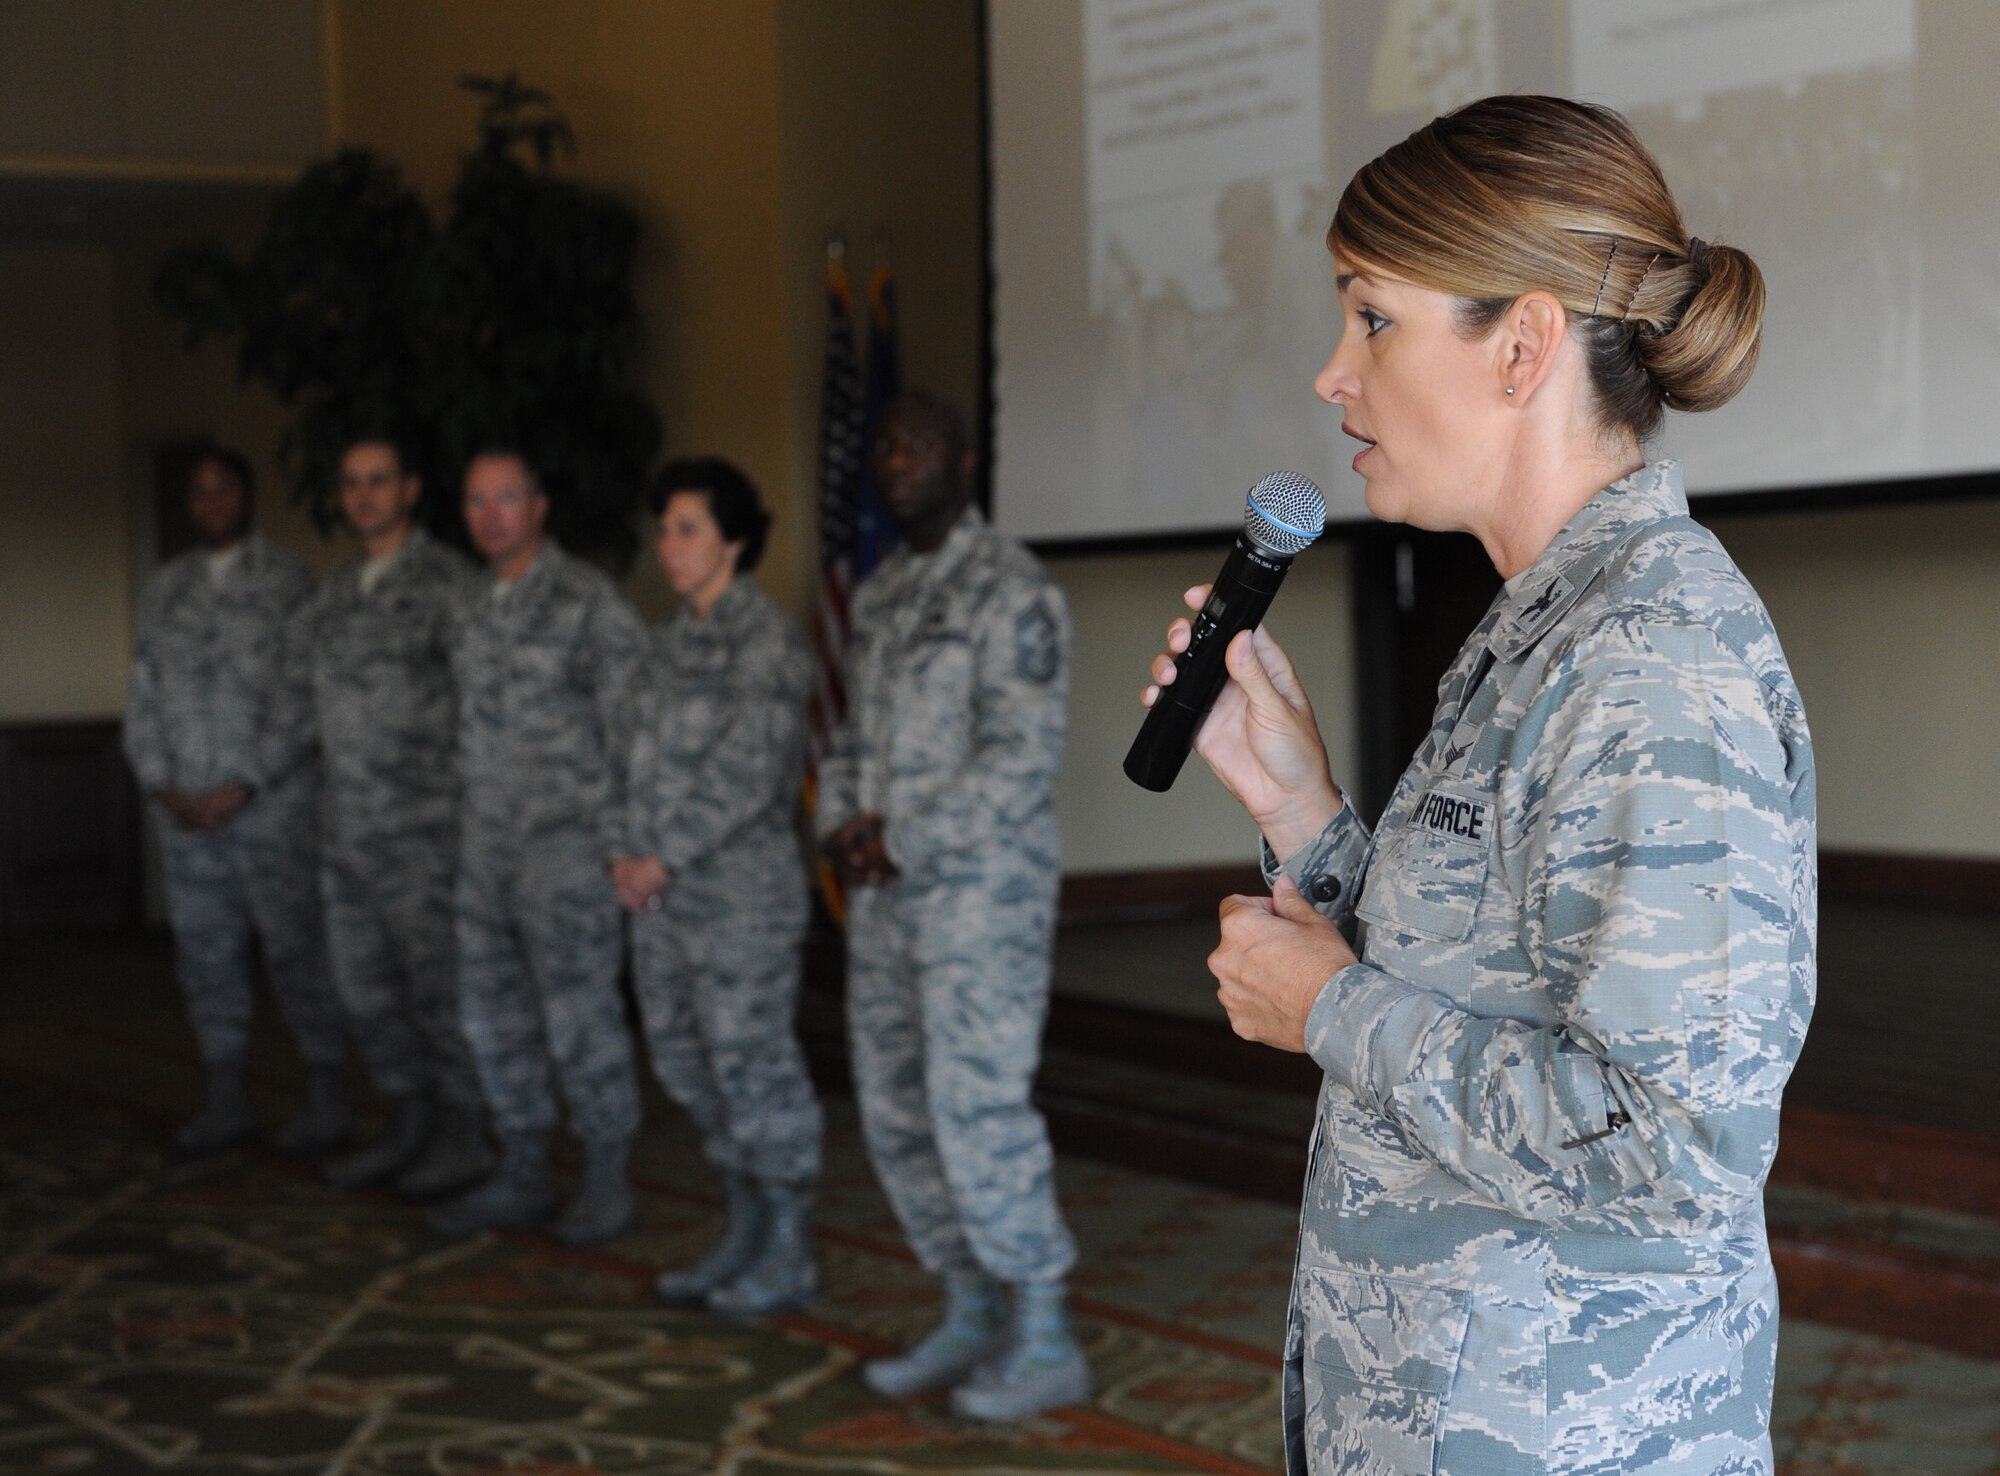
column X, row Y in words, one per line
column 1164, row 171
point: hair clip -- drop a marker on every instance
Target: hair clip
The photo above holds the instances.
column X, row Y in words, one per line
column 1640, row 286
column 1605, row 278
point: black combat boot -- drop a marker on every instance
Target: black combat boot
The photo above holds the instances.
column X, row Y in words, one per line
column 602, row 1209
column 225, row 1120
column 321, row 1124
column 409, row 1128
column 742, row 1233
column 781, row 1276
column 518, row 1193
column 455, row 1156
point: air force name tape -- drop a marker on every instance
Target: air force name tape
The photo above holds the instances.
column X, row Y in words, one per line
column 1451, row 815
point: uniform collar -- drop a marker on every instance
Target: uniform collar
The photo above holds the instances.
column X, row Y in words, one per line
column 538, row 573
column 219, row 563
column 1540, row 595
column 391, row 561
column 728, row 607
column 249, row 553
column 957, row 544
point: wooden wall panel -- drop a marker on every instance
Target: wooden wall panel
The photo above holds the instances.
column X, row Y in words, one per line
column 69, row 828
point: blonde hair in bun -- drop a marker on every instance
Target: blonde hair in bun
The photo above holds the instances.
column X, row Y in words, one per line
column 1517, row 194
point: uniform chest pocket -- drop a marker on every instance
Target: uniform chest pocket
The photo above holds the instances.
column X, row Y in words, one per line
column 939, row 665
column 1427, row 879
column 1383, row 1355
column 390, row 638
column 691, row 720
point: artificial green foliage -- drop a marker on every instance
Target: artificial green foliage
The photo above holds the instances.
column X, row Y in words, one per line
column 512, row 322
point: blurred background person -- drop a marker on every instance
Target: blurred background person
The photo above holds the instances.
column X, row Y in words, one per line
column 712, row 872
column 545, row 648
column 378, row 637
column 206, row 730
column 937, row 809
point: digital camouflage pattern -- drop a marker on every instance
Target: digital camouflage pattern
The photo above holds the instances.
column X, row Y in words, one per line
column 1533, row 1235
column 714, row 757
column 541, row 672
column 208, row 709
column 958, row 682
column 385, row 716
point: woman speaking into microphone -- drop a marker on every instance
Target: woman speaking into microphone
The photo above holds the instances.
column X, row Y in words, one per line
column 716, row 883
column 1558, row 991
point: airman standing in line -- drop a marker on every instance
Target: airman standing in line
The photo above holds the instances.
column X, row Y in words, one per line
column 712, row 873
column 378, row 636
column 544, row 652
column 937, row 808
column 238, row 800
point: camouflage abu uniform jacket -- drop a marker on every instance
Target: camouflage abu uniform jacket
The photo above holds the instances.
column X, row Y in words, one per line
column 542, row 672
column 959, row 654
column 208, row 705
column 715, row 751
column 1533, row 1234
column 383, row 702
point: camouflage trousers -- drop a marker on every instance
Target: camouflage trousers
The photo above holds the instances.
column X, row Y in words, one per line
column 947, row 991
column 253, row 880
column 539, row 944
column 389, row 935
column 718, row 995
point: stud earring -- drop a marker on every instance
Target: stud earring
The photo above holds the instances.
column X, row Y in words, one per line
column 1510, row 389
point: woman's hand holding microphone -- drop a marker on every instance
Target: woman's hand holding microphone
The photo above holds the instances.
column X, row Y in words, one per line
column 1260, row 738
column 1263, row 743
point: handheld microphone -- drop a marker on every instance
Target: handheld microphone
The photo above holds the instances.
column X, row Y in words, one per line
column 1285, row 512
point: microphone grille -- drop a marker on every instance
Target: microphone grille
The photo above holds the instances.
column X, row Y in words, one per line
column 1285, row 512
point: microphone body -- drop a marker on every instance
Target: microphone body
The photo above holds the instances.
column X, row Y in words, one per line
column 1285, row 514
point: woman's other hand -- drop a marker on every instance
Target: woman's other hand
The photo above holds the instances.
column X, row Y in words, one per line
column 1260, row 737
column 1275, row 956
column 641, row 882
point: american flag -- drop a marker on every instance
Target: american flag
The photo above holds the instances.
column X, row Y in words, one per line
column 841, row 425
column 876, row 535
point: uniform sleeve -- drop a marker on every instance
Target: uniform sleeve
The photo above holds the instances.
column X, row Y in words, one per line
column 614, row 647
column 837, row 781
column 1659, row 918
column 754, row 759
column 1020, row 715
column 290, row 733
column 1328, row 869
column 145, row 727
column 461, row 592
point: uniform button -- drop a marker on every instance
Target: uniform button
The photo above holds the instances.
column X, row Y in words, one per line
column 1326, row 889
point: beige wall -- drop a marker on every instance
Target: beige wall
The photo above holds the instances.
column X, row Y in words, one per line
column 169, row 393
column 65, row 599
column 1121, row 604
column 676, row 109
column 141, row 88
column 1891, row 619
column 93, row 380
column 742, row 131
column 881, row 144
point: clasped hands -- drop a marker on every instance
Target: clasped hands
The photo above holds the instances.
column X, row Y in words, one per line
column 858, row 854
column 1261, row 739
column 641, row 882
column 206, row 812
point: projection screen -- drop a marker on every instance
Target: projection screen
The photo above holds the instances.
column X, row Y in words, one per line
column 1163, row 172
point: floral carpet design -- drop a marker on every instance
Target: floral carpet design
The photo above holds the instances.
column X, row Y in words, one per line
column 237, row 1316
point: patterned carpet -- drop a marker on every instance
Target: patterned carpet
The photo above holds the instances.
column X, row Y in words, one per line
column 237, row 1316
